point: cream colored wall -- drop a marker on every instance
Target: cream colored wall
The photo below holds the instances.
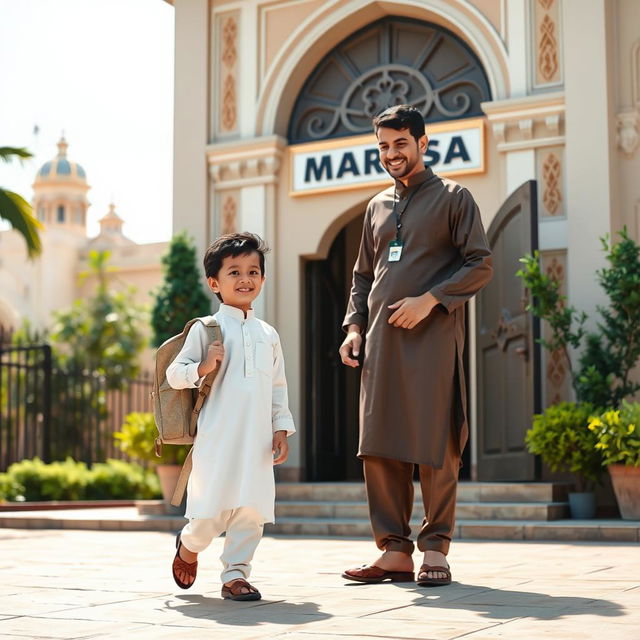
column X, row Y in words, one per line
column 35, row 288
column 191, row 120
column 628, row 109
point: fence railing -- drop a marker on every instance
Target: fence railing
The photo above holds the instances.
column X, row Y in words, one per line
column 51, row 413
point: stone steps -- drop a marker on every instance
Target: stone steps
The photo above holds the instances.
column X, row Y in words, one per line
column 128, row 519
column 467, row 491
column 472, row 510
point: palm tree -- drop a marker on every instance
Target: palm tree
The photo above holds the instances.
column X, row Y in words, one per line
column 16, row 210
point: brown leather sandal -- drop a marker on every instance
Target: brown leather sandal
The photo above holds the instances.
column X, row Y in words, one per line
column 433, row 582
column 234, row 591
column 372, row 574
column 190, row 568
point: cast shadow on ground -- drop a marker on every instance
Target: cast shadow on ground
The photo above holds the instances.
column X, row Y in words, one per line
column 247, row 614
column 501, row 604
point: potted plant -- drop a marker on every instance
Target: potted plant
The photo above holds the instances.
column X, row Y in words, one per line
column 136, row 439
column 618, row 440
column 562, row 438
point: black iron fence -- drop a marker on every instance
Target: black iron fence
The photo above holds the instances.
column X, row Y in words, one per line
column 52, row 413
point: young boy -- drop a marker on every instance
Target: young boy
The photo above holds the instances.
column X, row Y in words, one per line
column 243, row 425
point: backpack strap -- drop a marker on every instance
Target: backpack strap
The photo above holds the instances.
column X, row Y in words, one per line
column 206, row 385
column 203, row 392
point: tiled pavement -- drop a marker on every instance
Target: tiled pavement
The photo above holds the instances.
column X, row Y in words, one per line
column 101, row 584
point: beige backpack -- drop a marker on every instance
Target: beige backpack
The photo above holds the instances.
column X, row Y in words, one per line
column 176, row 410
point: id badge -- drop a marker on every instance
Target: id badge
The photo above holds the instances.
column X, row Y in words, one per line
column 395, row 250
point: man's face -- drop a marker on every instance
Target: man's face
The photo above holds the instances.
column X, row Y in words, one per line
column 400, row 154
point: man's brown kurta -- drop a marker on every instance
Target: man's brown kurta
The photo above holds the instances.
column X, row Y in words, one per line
column 413, row 386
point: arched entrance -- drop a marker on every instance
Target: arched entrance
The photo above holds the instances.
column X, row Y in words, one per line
column 394, row 60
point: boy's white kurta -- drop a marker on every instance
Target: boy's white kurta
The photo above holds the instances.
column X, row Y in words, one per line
column 232, row 456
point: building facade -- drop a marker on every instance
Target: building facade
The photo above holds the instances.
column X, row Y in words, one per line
column 273, row 102
column 34, row 289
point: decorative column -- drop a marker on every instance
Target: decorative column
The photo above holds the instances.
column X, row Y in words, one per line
column 191, row 119
column 244, row 176
column 591, row 157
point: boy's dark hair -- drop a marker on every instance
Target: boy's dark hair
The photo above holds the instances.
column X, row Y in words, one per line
column 401, row 116
column 232, row 244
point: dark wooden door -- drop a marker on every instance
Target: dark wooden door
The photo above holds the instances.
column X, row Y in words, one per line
column 507, row 356
column 331, row 389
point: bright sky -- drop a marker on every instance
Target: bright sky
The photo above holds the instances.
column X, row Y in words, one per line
column 102, row 72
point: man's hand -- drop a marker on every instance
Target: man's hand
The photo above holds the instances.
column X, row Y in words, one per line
column 215, row 354
column 350, row 348
column 408, row 312
column 280, row 447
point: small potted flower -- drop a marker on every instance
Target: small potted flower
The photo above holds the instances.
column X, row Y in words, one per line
column 618, row 440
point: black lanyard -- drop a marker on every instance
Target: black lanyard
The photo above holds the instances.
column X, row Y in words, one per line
column 398, row 216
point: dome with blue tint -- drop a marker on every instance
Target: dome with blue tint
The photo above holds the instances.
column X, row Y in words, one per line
column 61, row 169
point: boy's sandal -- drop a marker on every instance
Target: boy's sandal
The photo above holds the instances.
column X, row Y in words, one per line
column 190, row 568
column 235, row 591
column 424, row 581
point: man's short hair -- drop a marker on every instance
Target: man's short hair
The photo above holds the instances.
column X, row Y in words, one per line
column 401, row 116
column 233, row 244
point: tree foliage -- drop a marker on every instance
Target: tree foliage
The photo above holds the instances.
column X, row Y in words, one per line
column 181, row 295
column 609, row 354
column 102, row 333
column 16, row 210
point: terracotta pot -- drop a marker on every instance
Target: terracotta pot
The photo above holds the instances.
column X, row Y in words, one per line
column 626, row 485
column 168, row 476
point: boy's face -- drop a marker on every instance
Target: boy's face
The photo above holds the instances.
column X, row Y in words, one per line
column 239, row 280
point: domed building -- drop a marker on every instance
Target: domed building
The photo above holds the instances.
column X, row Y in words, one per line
column 60, row 192
column 34, row 289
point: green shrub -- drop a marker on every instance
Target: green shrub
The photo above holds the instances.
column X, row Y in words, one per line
column 562, row 438
column 69, row 480
column 56, row 481
column 617, row 434
column 9, row 488
column 136, row 439
column 119, row 480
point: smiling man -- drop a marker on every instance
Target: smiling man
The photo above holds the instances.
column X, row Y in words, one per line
column 423, row 254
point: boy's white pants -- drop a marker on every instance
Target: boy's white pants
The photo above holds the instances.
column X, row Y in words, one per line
column 243, row 528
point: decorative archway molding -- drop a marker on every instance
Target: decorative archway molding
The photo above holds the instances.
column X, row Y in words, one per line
column 322, row 31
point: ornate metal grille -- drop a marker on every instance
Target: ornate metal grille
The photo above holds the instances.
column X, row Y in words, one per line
column 392, row 61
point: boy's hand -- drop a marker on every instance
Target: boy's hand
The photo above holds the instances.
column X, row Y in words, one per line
column 280, row 447
column 215, row 354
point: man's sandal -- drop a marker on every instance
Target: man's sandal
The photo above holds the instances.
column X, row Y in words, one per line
column 190, row 568
column 433, row 582
column 234, row 591
column 371, row 574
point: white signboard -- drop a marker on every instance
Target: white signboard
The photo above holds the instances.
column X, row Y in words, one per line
column 455, row 148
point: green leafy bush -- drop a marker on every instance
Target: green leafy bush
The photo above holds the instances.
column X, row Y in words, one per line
column 9, row 488
column 56, row 481
column 609, row 354
column 120, row 480
column 561, row 436
column 69, row 480
column 137, row 438
column 618, row 434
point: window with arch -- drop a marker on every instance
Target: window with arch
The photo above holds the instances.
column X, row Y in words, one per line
column 79, row 217
column 41, row 213
column 60, row 215
column 392, row 61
